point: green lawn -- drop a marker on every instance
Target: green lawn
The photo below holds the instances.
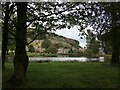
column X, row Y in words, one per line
column 68, row 75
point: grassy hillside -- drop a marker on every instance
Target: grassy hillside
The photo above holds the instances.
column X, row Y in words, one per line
column 66, row 41
column 54, row 38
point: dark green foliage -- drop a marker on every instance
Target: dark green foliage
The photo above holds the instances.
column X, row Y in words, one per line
column 51, row 50
column 46, row 44
column 89, row 53
column 57, row 45
column 74, row 43
column 107, row 43
column 92, row 47
column 107, row 48
column 31, row 48
column 81, row 54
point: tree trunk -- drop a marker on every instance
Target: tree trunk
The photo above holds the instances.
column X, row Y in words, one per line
column 115, row 47
column 115, row 34
column 21, row 58
column 5, row 34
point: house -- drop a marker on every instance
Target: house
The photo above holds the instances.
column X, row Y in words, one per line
column 40, row 50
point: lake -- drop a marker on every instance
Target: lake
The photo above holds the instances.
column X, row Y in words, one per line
column 78, row 59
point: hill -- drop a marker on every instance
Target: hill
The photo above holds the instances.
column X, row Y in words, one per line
column 63, row 44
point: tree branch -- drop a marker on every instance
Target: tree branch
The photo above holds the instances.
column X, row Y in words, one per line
column 11, row 33
column 33, row 39
column 60, row 12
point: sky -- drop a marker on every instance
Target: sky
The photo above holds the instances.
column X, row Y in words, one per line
column 73, row 34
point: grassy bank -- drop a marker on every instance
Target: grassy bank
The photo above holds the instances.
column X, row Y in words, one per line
column 67, row 75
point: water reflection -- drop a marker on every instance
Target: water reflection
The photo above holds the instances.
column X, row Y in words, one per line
column 78, row 59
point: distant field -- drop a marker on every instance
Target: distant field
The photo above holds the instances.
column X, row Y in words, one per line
column 68, row 75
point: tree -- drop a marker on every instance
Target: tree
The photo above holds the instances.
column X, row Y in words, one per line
column 107, row 43
column 107, row 47
column 94, row 46
column 52, row 50
column 89, row 53
column 113, row 25
column 112, row 10
column 5, row 34
column 21, row 58
column 53, row 15
column 57, row 45
column 8, row 11
column 106, row 19
column 115, row 31
column 46, row 44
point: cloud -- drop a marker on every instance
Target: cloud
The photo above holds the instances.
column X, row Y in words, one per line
column 71, row 33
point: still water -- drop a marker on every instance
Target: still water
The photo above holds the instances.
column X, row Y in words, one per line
column 79, row 59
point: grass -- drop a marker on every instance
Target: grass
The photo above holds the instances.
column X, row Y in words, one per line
column 68, row 75
column 0, row 78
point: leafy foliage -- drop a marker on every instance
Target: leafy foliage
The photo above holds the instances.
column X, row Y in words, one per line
column 46, row 44
column 57, row 45
column 107, row 47
column 89, row 53
column 94, row 46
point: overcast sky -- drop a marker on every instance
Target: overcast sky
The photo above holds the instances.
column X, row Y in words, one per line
column 71, row 33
